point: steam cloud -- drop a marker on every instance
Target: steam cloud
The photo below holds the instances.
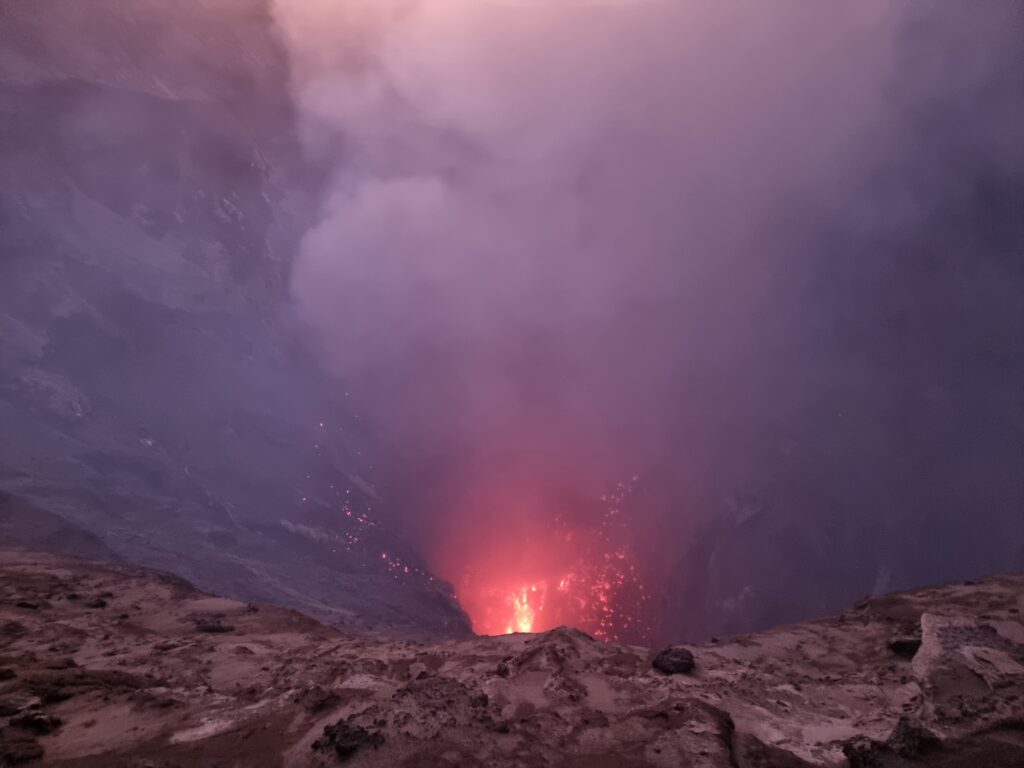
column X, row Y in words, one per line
column 567, row 242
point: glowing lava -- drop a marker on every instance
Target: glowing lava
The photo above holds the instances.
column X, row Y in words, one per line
column 577, row 573
column 524, row 604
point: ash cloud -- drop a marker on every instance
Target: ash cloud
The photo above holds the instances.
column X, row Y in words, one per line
column 767, row 256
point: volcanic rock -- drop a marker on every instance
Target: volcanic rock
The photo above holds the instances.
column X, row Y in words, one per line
column 910, row 739
column 345, row 740
column 316, row 699
column 36, row 722
column 906, row 647
column 674, row 660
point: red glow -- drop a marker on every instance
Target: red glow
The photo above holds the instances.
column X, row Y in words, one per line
column 526, row 554
column 581, row 573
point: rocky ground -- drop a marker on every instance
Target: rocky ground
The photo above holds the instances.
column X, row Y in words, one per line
column 104, row 665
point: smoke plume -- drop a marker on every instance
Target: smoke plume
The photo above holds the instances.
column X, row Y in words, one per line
column 701, row 243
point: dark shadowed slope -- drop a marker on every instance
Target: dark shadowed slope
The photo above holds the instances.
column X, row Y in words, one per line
column 154, row 392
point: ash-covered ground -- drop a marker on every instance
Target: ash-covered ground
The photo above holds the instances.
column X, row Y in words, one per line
column 106, row 665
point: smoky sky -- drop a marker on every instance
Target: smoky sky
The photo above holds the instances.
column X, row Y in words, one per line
column 570, row 242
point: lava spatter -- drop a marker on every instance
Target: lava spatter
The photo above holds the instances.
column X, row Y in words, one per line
column 587, row 577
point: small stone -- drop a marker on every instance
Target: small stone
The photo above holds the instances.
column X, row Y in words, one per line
column 674, row 660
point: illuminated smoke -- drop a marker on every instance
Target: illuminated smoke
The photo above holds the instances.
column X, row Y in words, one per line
column 566, row 241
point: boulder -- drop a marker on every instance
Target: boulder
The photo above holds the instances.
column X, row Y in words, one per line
column 674, row 660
